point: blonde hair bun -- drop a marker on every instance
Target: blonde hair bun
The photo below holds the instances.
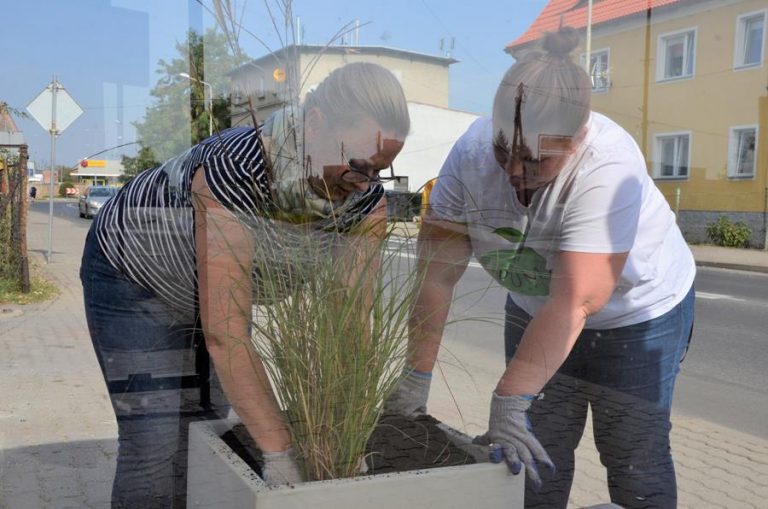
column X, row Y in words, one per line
column 560, row 43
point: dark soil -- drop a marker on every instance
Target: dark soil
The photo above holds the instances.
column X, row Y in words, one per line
column 398, row 444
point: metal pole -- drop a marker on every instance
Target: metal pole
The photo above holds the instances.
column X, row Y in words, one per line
column 677, row 202
column 588, row 60
column 210, row 108
column 54, row 88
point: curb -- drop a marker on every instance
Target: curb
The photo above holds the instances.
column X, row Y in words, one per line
column 733, row 266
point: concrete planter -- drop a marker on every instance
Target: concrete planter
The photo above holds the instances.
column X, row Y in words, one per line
column 217, row 477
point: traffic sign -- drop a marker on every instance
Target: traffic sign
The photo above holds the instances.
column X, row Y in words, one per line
column 67, row 110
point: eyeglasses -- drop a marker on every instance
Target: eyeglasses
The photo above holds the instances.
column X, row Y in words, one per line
column 357, row 175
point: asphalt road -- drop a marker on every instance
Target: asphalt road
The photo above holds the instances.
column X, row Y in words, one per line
column 724, row 378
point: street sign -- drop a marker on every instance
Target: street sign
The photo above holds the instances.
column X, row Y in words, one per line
column 54, row 109
column 67, row 110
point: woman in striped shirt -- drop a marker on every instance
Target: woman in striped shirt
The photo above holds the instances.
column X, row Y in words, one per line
column 173, row 252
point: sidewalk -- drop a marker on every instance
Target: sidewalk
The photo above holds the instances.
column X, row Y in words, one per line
column 58, row 435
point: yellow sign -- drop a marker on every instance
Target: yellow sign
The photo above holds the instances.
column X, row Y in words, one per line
column 96, row 163
column 279, row 75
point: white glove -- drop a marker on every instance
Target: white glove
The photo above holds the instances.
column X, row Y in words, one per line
column 282, row 468
column 509, row 432
column 410, row 396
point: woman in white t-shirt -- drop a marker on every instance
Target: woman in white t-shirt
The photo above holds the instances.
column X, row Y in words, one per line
column 556, row 204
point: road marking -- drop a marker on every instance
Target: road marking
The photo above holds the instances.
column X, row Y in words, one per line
column 411, row 256
column 716, row 296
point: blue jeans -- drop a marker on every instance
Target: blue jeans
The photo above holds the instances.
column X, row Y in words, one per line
column 144, row 347
column 627, row 376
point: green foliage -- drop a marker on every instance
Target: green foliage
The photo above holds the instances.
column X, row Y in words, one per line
column 725, row 233
column 179, row 117
column 132, row 166
column 331, row 332
column 40, row 290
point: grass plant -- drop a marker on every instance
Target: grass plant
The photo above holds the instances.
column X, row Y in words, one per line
column 41, row 289
column 333, row 339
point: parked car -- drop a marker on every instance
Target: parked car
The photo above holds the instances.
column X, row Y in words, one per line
column 93, row 199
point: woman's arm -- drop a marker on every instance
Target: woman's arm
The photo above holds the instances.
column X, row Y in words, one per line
column 582, row 283
column 224, row 251
column 443, row 253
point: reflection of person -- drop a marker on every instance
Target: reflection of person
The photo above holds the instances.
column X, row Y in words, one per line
column 556, row 204
column 176, row 239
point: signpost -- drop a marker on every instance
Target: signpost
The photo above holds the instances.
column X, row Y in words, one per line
column 54, row 109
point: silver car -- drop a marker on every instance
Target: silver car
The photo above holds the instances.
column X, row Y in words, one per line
column 94, row 198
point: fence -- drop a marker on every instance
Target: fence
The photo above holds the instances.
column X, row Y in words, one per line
column 14, row 264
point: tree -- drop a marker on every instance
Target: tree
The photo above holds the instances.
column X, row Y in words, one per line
column 181, row 102
column 132, row 166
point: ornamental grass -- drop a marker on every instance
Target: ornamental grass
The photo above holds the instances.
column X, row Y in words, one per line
column 332, row 335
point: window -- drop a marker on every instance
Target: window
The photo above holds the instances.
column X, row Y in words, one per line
column 742, row 152
column 676, row 55
column 598, row 70
column 750, row 37
column 672, row 155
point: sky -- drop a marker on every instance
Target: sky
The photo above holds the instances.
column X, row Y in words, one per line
column 105, row 52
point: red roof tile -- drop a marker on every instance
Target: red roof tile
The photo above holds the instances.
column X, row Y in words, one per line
column 575, row 15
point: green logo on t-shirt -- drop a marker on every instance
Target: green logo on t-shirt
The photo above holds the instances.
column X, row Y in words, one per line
column 521, row 270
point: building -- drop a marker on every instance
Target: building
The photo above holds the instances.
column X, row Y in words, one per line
column 103, row 172
column 687, row 78
column 12, row 148
column 264, row 81
column 260, row 86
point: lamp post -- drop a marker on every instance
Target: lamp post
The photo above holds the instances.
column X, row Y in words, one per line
column 210, row 99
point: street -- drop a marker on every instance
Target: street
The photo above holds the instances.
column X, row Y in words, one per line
column 723, row 378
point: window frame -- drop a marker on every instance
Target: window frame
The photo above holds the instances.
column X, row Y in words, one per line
column 657, row 162
column 661, row 55
column 733, row 141
column 607, row 51
column 739, row 46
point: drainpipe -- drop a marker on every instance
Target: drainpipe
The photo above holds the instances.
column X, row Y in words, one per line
column 762, row 159
column 588, row 59
column 646, row 82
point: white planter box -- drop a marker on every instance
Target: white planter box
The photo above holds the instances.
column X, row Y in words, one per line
column 218, row 478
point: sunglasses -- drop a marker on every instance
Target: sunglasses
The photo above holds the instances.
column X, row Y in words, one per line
column 359, row 175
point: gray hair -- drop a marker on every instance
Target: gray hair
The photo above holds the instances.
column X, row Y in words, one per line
column 556, row 92
column 359, row 89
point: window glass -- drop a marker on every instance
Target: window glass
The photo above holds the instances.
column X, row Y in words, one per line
column 742, row 163
column 672, row 153
column 753, row 39
column 677, row 55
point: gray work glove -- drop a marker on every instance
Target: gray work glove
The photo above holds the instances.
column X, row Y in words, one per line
column 282, row 468
column 510, row 437
column 410, row 397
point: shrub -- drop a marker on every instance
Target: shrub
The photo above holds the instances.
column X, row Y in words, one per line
column 725, row 233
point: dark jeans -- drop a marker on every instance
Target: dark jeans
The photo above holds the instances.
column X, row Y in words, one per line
column 627, row 376
column 143, row 348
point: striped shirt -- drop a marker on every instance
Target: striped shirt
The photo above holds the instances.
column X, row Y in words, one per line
column 147, row 230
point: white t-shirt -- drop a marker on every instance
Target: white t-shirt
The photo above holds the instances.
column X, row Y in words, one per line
column 603, row 201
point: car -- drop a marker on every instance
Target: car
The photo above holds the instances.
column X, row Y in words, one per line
column 93, row 199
